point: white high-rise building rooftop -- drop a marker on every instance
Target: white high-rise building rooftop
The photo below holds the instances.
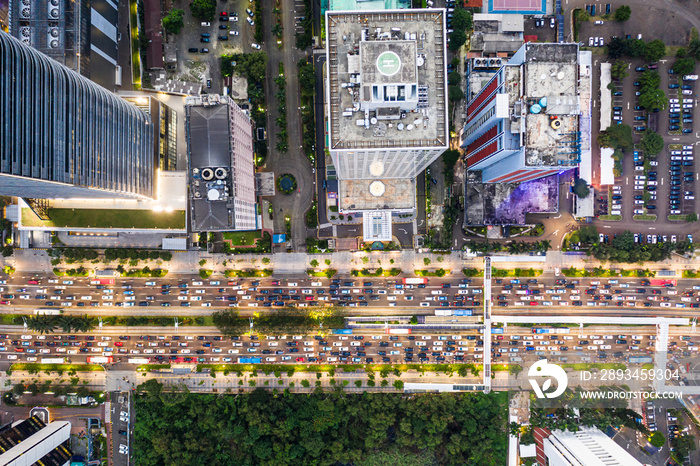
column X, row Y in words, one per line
column 387, row 104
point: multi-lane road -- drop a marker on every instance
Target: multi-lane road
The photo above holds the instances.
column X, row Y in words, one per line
column 189, row 296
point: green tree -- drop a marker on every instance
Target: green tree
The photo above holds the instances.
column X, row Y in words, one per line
column 654, row 50
column 650, row 79
column 684, row 66
column 455, row 93
column 684, row 445
column 588, row 235
column 454, row 78
column 581, row 188
column 653, row 99
column 651, row 143
column 657, row 439
column 307, row 80
column 173, row 22
column 18, row 389
column 313, row 263
column 457, row 39
column 203, row 9
column 618, row 70
column 42, row 324
column 623, row 13
column 694, row 48
column 681, row 52
column 617, row 137
column 617, row 48
column 461, row 19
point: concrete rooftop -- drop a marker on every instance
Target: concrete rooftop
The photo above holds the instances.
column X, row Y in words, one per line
column 404, row 52
column 399, row 194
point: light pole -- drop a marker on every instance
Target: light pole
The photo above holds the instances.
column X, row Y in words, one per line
column 25, row 324
column 177, row 325
column 99, row 323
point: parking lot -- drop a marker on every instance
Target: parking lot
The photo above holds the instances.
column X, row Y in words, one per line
column 200, row 44
column 656, row 192
column 122, row 419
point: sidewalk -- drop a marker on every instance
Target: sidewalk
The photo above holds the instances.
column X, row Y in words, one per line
column 38, row 261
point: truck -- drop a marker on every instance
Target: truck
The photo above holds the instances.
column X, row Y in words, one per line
column 53, row 360
column 249, row 360
column 640, row 359
column 342, row 331
column 100, row 359
column 463, row 312
column 415, row 281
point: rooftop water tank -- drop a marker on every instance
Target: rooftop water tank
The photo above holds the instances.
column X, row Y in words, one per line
column 543, row 102
column 535, row 108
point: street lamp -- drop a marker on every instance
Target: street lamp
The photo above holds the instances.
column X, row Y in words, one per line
column 177, row 325
column 25, row 324
column 99, row 320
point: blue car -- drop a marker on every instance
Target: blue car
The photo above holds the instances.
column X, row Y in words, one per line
column 673, row 127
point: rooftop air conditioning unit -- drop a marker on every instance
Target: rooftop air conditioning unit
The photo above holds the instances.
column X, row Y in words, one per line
column 207, row 174
column 25, row 12
column 220, row 173
column 53, row 9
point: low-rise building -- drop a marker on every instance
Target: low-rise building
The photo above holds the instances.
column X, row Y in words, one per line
column 221, row 166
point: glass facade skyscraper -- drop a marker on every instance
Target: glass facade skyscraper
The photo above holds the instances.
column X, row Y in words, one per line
column 63, row 136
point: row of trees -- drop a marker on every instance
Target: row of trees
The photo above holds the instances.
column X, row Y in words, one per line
column 516, row 247
column 320, row 428
column 110, row 254
column 49, row 324
column 651, row 96
column 651, row 51
column 622, row 247
column 285, row 320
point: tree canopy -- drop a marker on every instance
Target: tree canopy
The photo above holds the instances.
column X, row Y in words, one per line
column 173, row 21
column 684, row 66
column 461, row 19
column 650, row 79
column 657, row 439
column 320, row 428
column 581, row 188
column 203, row 9
column 455, row 93
column 694, row 48
column 652, row 99
column 307, row 80
column 618, row 70
column 457, row 39
column 652, row 143
column 623, row 13
column 654, row 50
column 617, row 137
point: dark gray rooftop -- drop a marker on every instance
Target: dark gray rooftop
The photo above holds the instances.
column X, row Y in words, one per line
column 208, row 132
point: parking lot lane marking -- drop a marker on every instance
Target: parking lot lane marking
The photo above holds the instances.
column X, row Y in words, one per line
column 628, row 105
column 652, row 228
column 676, row 139
column 607, row 226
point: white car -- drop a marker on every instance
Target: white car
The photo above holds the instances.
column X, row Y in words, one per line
column 255, row 46
column 233, row 33
column 252, row 23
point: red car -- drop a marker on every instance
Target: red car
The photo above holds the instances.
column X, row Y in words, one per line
column 4, row 302
column 19, row 350
column 118, row 343
column 299, row 359
column 223, row 13
column 533, row 303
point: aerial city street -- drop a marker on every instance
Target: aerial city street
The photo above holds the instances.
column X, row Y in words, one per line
column 358, row 232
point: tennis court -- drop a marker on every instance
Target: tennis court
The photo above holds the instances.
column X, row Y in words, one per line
column 523, row 7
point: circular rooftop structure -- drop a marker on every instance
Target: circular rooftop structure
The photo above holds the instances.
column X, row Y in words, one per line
column 388, row 63
column 376, row 168
column 376, row 188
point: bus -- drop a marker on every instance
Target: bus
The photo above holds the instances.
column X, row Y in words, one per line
column 47, row 311
column 398, row 331
column 551, row 330
column 53, row 360
column 138, row 360
column 102, row 281
column 99, row 359
column 415, row 281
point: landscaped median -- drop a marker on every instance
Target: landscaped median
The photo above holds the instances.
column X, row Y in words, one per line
column 29, row 367
column 462, row 370
column 610, row 218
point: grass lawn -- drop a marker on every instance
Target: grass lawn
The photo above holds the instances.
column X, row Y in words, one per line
column 106, row 218
column 135, row 56
column 58, row 367
column 243, row 238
